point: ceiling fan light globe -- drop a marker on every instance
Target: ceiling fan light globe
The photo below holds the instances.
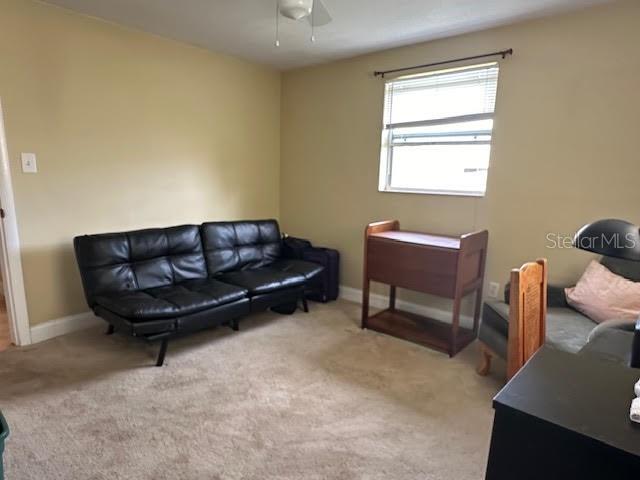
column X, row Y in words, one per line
column 295, row 9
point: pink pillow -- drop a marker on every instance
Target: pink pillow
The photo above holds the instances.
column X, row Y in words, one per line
column 602, row 295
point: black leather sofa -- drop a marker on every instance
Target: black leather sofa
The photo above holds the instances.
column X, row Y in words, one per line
column 162, row 282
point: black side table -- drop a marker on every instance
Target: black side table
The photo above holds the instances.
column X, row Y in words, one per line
column 565, row 416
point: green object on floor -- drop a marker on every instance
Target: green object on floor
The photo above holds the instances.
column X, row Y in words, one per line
column 4, row 433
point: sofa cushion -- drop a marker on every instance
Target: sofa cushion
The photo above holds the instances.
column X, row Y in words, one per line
column 262, row 280
column 307, row 269
column 172, row 300
column 567, row 329
column 628, row 269
column 231, row 246
column 139, row 260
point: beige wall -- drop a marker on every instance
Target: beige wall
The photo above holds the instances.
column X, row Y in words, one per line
column 131, row 131
column 565, row 149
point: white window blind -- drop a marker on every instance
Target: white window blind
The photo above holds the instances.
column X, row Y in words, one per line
column 437, row 131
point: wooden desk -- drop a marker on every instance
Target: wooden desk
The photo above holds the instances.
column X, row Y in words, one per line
column 450, row 267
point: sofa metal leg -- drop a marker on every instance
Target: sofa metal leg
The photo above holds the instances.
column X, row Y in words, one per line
column 235, row 325
column 162, row 352
column 305, row 305
column 484, row 367
column 110, row 329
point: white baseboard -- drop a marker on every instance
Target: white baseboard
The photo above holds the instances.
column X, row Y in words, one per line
column 382, row 301
column 63, row 325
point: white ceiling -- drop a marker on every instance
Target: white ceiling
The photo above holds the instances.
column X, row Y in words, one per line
column 246, row 28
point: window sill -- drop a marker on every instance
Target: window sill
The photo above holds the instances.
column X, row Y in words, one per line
column 450, row 193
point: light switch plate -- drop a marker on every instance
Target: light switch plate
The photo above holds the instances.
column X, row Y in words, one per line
column 494, row 289
column 29, row 164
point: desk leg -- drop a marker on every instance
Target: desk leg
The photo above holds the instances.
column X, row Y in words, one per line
column 455, row 324
column 392, row 297
column 365, row 303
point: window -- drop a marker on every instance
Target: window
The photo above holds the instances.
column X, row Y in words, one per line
column 437, row 131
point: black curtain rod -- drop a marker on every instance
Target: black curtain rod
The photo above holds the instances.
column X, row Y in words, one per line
column 502, row 53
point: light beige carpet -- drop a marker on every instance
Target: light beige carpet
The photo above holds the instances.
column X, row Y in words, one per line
column 308, row 396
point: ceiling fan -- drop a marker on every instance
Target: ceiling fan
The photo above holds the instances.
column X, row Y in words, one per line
column 313, row 11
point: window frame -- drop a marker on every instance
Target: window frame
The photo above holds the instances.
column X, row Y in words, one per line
column 386, row 149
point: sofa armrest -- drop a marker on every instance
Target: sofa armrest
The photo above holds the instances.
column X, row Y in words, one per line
column 555, row 295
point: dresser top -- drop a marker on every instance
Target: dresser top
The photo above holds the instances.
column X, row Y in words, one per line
column 417, row 238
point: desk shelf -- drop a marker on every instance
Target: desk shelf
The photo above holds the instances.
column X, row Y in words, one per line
column 424, row 331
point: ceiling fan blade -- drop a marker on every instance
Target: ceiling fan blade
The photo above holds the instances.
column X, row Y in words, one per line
column 320, row 15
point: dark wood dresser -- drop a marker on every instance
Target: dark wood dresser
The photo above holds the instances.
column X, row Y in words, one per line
column 450, row 267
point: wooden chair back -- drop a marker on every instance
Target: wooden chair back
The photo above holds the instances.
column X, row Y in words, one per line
column 527, row 313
